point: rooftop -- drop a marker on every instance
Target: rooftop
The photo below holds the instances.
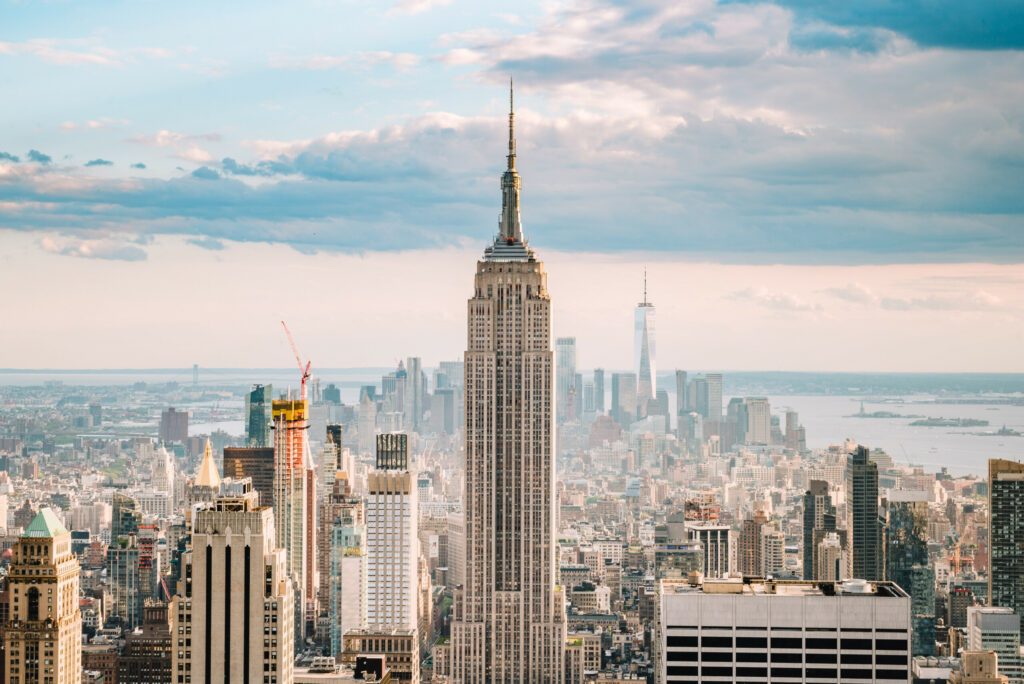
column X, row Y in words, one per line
column 46, row 524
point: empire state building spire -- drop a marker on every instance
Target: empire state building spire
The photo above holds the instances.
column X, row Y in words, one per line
column 510, row 223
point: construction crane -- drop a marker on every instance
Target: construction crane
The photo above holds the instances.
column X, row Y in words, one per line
column 304, row 370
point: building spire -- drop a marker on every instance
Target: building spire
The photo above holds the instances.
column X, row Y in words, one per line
column 645, row 286
column 511, row 127
column 511, row 230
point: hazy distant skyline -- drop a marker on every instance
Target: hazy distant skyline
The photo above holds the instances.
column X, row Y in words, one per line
column 811, row 186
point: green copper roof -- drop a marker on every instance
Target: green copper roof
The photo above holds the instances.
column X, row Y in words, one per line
column 45, row 524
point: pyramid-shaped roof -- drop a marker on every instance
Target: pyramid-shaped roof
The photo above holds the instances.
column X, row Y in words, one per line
column 208, row 475
column 45, row 524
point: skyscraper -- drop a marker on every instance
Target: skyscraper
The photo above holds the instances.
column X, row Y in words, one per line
column 599, row 390
column 1006, row 515
column 906, row 561
column 173, row 426
column 259, row 416
column 232, row 620
column 819, row 515
column 991, row 628
column 759, row 421
column 565, row 363
column 714, row 400
column 643, row 353
column 392, row 557
column 864, row 529
column 294, row 499
column 391, row 540
column 415, row 393
column 623, row 398
column 43, row 637
column 256, row 463
column 682, row 405
column 509, row 615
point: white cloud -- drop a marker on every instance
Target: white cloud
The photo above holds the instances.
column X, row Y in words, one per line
column 776, row 301
column 417, row 6
column 401, row 61
column 104, row 248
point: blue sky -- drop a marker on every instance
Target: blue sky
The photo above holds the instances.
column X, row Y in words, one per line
column 795, row 132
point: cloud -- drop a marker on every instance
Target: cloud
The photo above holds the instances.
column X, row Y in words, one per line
column 38, row 157
column 854, row 292
column 99, row 162
column 207, row 243
column 950, row 299
column 776, row 301
column 400, row 61
column 138, row 165
column 7, row 156
column 93, row 124
column 111, row 249
column 989, row 25
column 417, row 6
column 725, row 189
column 185, row 146
column 79, row 52
column 205, row 173
column 978, row 300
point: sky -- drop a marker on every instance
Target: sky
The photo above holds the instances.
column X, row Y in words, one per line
column 810, row 185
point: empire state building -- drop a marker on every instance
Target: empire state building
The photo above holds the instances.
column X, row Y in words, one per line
column 509, row 616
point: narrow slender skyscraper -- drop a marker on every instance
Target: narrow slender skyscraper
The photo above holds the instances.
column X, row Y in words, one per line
column 509, row 615
column 643, row 353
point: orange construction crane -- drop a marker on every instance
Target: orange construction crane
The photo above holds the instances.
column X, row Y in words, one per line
column 298, row 359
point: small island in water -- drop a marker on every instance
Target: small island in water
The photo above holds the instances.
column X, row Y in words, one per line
column 950, row 422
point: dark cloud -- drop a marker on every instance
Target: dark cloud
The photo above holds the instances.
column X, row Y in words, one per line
column 38, row 157
column 207, row 243
column 6, row 156
column 734, row 190
column 138, row 165
column 978, row 25
column 205, row 173
column 99, row 162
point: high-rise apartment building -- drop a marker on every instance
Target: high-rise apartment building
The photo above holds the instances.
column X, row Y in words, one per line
column 1006, row 515
column 644, row 353
column 508, row 622
column 391, row 560
column 864, row 528
column 415, row 393
column 43, row 635
column 782, row 631
column 173, row 426
column 392, row 543
column 233, row 617
column 565, row 364
column 750, row 545
column 259, row 416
